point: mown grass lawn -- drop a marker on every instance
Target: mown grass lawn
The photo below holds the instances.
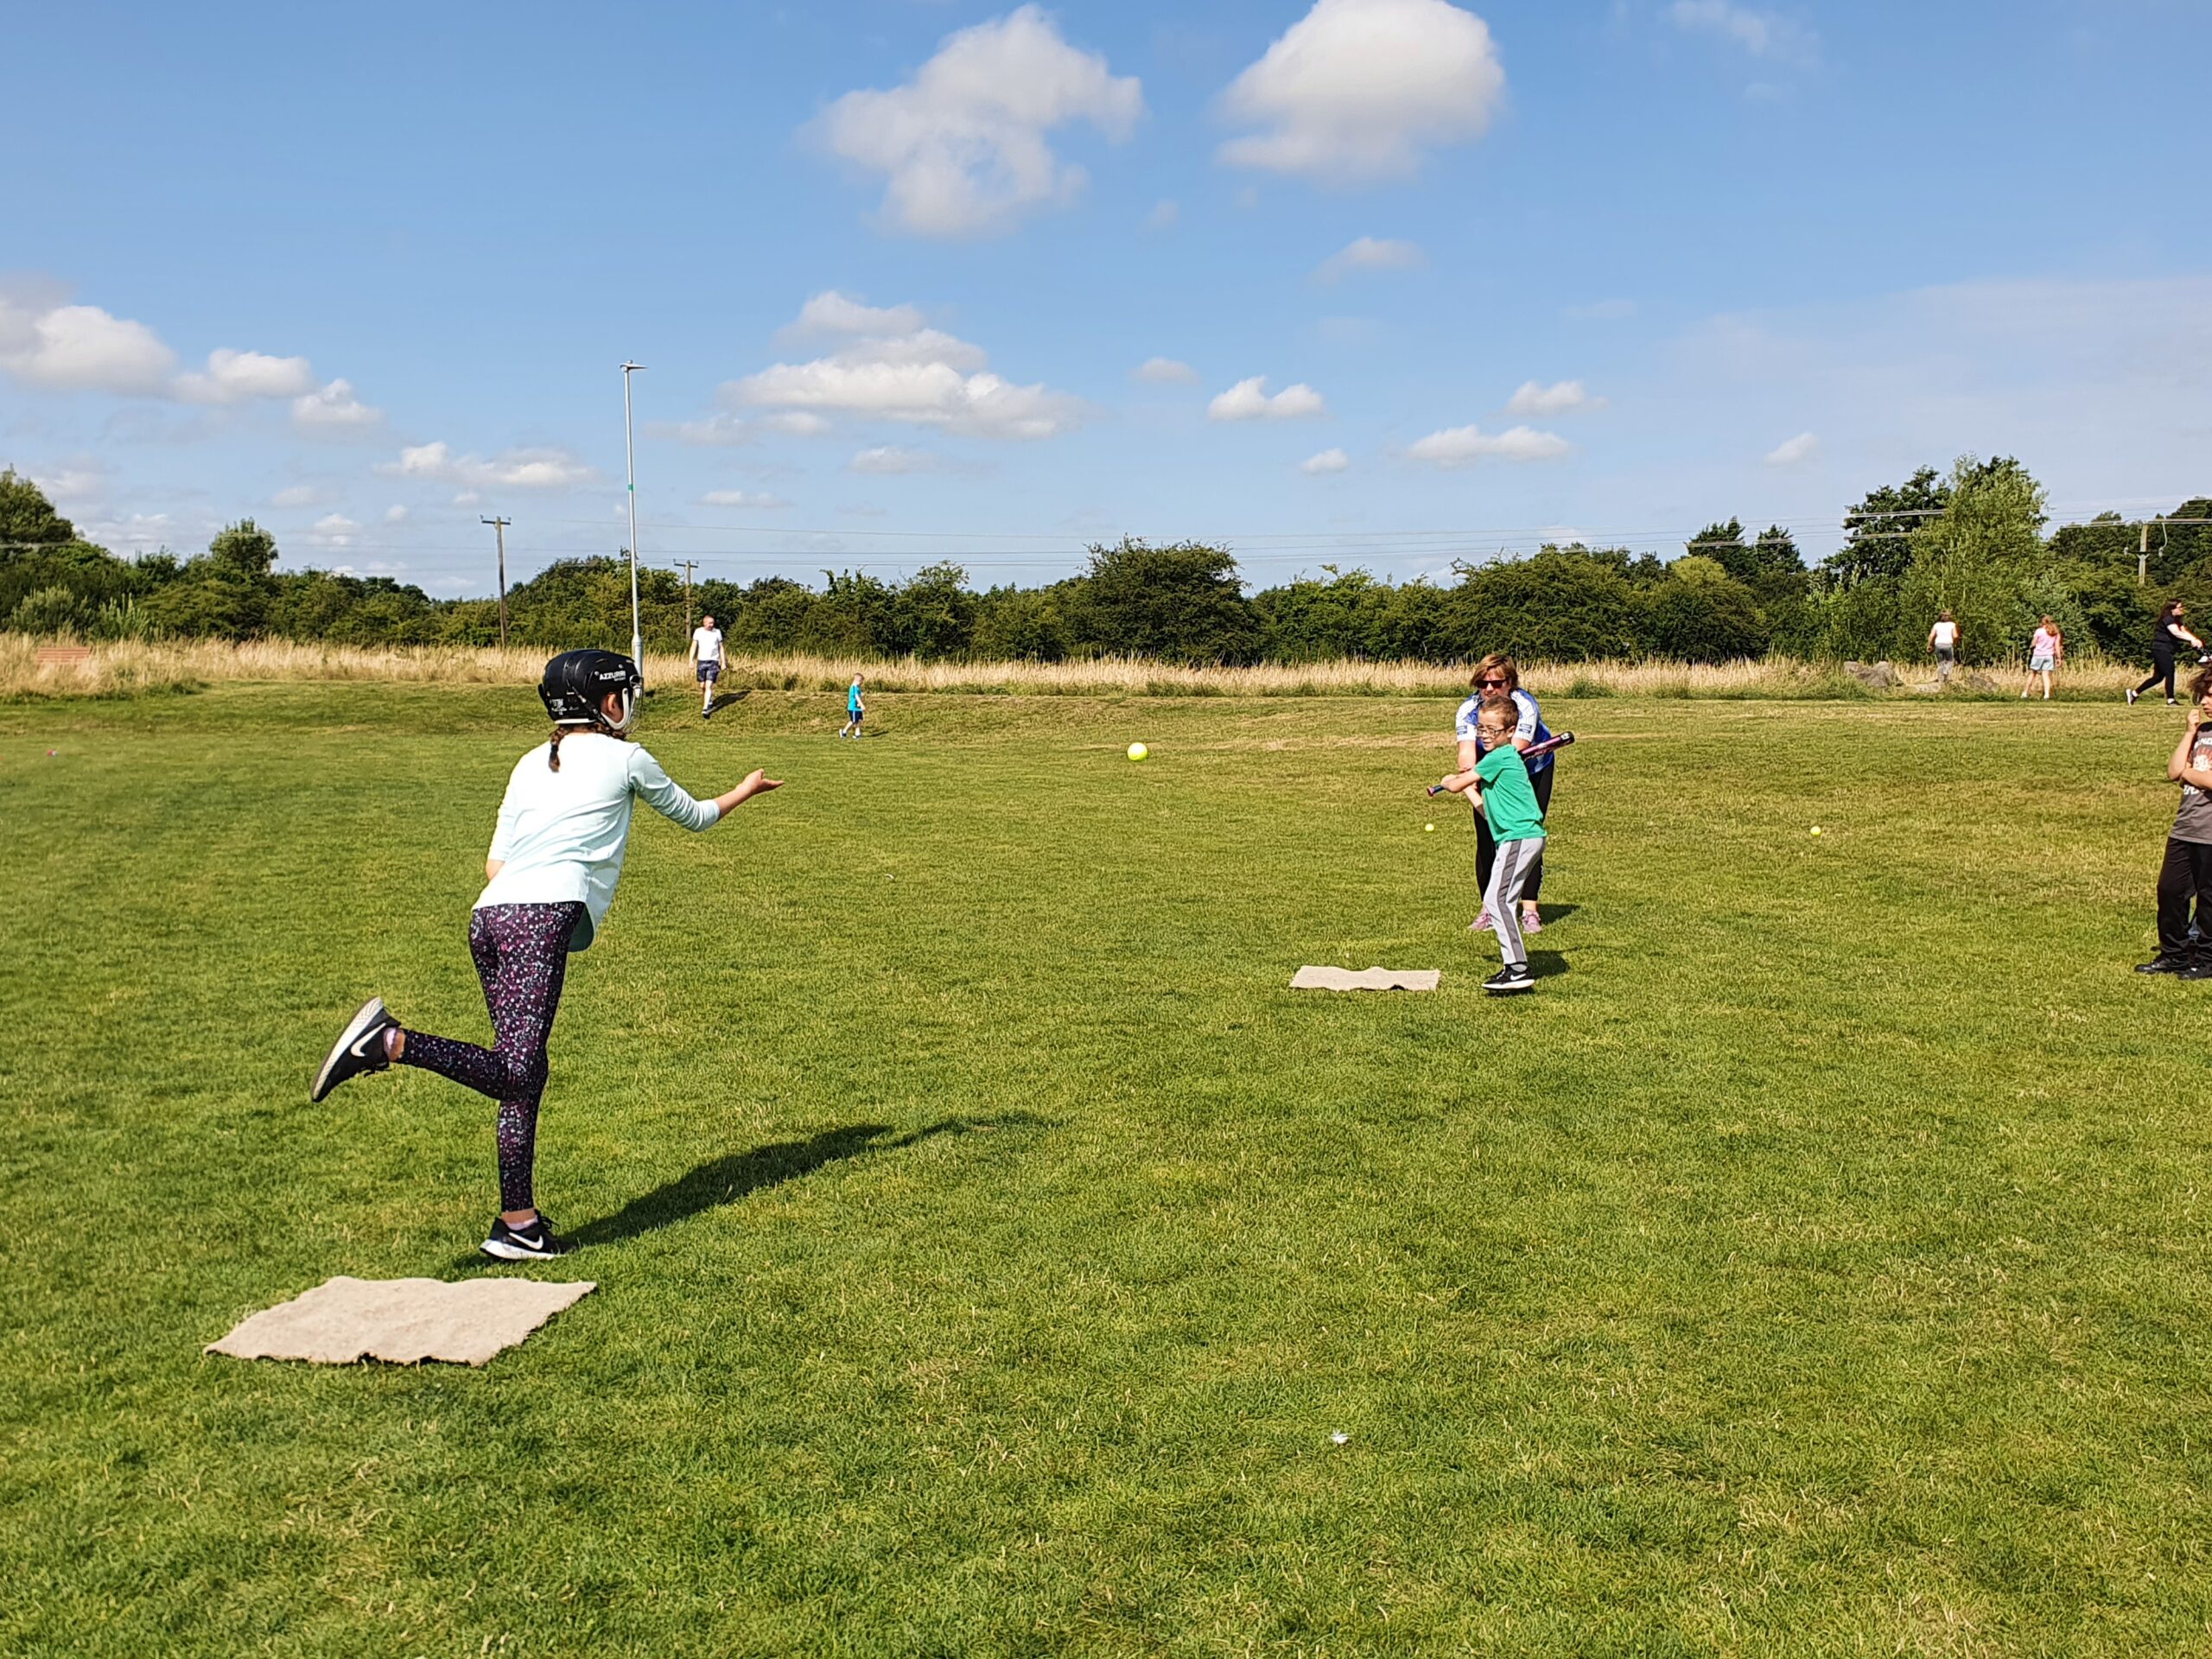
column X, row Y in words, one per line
column 990, row 1245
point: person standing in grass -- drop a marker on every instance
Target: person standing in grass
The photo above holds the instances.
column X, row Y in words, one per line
column 855, row 710
column 1943, row 640
column 2168, row 640
column 2045, row 651
column 556, row 854
column 1499, row 786
column 707, row 651
column 1496, row 680
column 2186, row 874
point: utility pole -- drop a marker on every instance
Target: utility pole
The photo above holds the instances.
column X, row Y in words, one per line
column 630, row 454
column 2142, row 558
column 499, row 529
column 689, row 565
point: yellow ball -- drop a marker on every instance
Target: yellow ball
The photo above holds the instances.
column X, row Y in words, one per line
column 1816, row 829
column 1430, row 827
column 1137, row 750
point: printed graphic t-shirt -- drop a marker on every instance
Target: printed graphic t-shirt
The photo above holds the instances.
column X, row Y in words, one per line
column 2194, row 821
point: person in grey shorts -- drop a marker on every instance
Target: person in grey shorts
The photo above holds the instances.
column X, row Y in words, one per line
column 707, row 651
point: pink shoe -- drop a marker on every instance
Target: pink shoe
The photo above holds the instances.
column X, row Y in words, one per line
column 1482, row 924
column 1532, row 922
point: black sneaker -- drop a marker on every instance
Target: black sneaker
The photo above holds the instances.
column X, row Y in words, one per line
column 1515, row 978
column 2164, row 964
column 531, row 1241
column 360, row 1048
column 2198, row 970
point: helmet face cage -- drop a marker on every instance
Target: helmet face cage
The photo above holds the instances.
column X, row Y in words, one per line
column 577, row 682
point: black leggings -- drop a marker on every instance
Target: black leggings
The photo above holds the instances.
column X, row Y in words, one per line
column 522, row 956
column 1486, row 844
column 2162, row 668
column 2185, row 876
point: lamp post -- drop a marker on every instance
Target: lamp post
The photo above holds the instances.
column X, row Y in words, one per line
column 630, row 456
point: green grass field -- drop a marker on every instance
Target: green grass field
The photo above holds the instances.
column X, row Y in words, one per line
column 989, row 1243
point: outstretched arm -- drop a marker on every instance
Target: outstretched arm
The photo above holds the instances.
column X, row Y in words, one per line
column 669, row 799
column 757, row 782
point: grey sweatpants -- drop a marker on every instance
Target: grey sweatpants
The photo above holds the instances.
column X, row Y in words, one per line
column 1509, row 875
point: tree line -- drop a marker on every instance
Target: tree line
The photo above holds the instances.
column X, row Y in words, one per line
column 1972, row 540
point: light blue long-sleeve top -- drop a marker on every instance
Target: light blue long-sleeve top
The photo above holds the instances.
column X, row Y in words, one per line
column 561, row 835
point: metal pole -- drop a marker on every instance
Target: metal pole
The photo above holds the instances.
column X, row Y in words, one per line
column 630, row 454
column 499, row 529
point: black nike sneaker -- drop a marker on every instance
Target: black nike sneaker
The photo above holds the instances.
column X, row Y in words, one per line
column 531, row 1241
column 1515, row 978
column 360, row 1048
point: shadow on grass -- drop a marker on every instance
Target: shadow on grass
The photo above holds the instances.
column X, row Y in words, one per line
column 723, row 700
column 736, row 1176
column 1556, row 912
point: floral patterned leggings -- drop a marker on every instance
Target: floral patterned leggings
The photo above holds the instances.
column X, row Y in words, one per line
column 522, row 956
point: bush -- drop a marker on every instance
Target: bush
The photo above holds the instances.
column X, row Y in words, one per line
column 1557, row 606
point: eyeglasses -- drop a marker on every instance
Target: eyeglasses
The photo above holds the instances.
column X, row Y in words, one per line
column 1485, row 685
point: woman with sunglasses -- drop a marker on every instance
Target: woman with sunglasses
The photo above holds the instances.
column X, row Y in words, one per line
column 1498, row 679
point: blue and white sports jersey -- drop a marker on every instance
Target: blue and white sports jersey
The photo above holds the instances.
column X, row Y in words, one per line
column 1529, row 729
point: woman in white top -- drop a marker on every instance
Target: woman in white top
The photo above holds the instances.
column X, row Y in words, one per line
column 556, row 856
column 1943, row 640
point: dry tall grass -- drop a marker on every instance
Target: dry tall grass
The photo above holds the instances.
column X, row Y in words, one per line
column 133, row 668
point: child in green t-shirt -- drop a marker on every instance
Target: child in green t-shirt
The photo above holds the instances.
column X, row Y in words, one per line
column 1499, row 787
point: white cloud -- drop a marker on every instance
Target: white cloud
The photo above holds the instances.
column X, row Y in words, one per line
column 1534, row 397
column 962, row 146
column 742, row 498
column 334, row 530
column 395, row 514
column 1329, row 461
column 1162, row 217
column 832, row 313
column 517, row 469
column 1248, row 400
column 924, row 377
column 796, row 422
column 299, row 495
column 1762, row 33
column 1370, row 253
column 82, row 348
column 335, row 409
column 1463, row 446
column 891, row 458
column 1362, row 89
column 232, row 377
column 1165, row 371
column 83, row 479
column 1791, row 451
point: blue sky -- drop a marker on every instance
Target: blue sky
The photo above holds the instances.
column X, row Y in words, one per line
column 1500, row 272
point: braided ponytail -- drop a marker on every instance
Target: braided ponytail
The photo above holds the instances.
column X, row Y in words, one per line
column 553, row 753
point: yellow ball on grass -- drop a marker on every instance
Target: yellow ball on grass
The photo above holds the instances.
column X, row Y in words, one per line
column 1137, row 750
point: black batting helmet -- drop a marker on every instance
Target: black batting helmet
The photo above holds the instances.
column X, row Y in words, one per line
column 577, row 683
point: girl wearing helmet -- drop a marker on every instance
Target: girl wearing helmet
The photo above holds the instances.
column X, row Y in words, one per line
column 555, row 855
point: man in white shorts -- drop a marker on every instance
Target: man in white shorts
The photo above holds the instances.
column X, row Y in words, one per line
column 707, row 651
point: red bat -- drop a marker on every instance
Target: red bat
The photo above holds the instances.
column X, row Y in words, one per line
column 1530, row 754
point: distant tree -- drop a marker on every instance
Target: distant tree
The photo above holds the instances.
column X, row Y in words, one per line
column 933, row 614
column 1975, row 559
column 1702, row 614
column 243, row 547
column 1181, row 603
column 27, row 516
column 1560, row 607
column 1311, row 620
column 1878, row 532
column 1014, row 626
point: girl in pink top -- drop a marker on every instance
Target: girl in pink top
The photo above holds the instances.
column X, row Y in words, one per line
column 2045, row 651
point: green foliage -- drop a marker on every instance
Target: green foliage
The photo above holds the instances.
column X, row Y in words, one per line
column 1562, row 606
column 25, row 516
column 1702, row 614
column 1180, row 603
column 1878, row 531
column 1012, row 626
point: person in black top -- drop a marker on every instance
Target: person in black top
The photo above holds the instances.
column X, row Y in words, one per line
column 2167, row 636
